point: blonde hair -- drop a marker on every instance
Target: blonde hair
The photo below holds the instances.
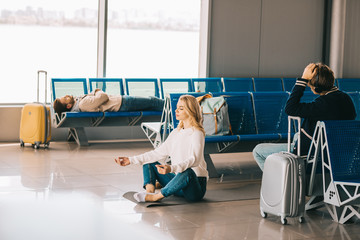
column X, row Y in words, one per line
column 193, row 109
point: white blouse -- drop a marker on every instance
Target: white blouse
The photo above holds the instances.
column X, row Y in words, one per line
column 185, row 148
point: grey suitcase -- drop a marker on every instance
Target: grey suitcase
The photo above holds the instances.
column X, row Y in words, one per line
column 283, row 184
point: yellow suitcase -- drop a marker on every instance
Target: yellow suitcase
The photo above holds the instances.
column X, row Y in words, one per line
column 35, row 124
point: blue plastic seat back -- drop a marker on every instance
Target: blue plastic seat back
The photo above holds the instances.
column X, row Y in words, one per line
column 241, row 112
column 112, row 86
column 343, row 138
column 268, row 84
column 142, row 87
column 238, row 85
column 174, row 98
column 355, row 96
column 68, row 86
column 270, row 112
column 207, row 84
column 289, row 84
column 175, row 85
column 349, row 84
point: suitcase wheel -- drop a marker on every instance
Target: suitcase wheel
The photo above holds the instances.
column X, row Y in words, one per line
column 263, row 214
column 22, row 144
column 46, row 145
column 301, row 219
column 36, row 146
column 283, row 221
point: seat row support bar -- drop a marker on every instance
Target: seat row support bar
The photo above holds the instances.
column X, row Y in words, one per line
column 79, row 135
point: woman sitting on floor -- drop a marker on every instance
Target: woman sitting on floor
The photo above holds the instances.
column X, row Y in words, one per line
column 187, row 175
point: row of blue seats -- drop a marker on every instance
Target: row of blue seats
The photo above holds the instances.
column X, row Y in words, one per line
column 77, row 121
column 254, row 117
column 161, row 87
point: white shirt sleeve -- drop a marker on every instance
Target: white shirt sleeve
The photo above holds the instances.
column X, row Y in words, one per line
column 158, row 154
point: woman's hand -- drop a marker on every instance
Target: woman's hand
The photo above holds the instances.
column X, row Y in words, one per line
column 309, row 71
column 163, row 169
column 122, row 161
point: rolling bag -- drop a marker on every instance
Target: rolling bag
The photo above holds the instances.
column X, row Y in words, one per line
column 283, row 184
column 35, row 127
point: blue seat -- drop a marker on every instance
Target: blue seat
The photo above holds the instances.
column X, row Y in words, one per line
column 216, row 144
column 112, row 86
column 142, row 87
column 349, row 84
column 175, row 85
column 68, row 86
column 271, row 119
column 75, row 87
column 268, row 84
column 77, row 121
column 341, row 161
column 289, row 84
column 238, row 85
column 241, row 112
column 355, row 96
column 174, row 98
column 207, row 84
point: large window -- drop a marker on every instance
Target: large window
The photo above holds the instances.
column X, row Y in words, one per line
column 146, row 38
column 59, row 36
column 153, row 38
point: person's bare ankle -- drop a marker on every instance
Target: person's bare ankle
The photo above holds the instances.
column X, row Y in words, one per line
column 150, row 188
column 153, row 197
column 158, row 185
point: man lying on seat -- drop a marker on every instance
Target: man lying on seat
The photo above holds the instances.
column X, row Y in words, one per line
column 99, row 101
column 332, row 104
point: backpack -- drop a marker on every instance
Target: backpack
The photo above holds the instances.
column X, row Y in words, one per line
column 215, row 115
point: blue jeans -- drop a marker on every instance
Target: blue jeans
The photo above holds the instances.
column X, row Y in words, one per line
column 185, row 184
column 136, row 103
column 263, row 150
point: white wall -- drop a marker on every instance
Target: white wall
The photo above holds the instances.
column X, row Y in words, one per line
column 265, row 38
column 351, row 67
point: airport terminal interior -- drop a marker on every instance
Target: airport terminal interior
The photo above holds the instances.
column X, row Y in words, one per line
column 71, row 187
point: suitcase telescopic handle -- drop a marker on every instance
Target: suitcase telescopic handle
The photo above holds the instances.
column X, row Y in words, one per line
column 38, row 83
column 298, row 120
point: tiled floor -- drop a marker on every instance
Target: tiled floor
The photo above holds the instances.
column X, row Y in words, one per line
column 67, row 192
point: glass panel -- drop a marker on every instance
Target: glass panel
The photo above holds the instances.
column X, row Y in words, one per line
column 75, row 89
column 111, row 88
column 210, row 86
column 144, row 89
column 175, row 87
column 58, row 36
column 158, row 38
